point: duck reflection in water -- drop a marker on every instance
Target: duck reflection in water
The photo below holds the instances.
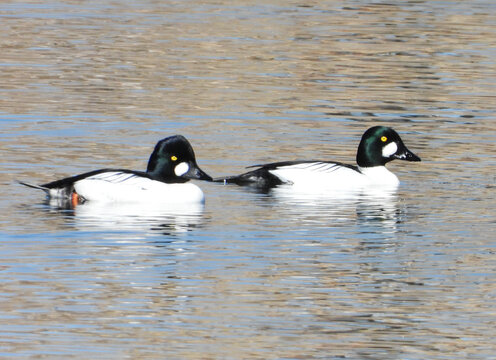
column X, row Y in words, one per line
column 165, row 219
column 372, row 205
column 145, row 218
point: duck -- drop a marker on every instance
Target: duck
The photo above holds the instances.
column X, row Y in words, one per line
column 378, row 146
column 166, row 179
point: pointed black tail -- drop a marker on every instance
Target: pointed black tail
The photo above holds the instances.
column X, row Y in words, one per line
column 45, row 189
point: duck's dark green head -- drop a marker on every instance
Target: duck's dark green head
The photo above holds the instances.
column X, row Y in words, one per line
column 173, row 161
column 381, row 144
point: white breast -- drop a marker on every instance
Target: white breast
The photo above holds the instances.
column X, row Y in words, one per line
column 379, row 175
column 125, row 187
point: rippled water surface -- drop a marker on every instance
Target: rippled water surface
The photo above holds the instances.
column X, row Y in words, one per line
column 95, row 84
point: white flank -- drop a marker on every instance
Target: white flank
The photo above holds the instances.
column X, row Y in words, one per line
column 389, row 149
column 318, row 175
column 181, row 168
column 125, row 187
column 322, row 177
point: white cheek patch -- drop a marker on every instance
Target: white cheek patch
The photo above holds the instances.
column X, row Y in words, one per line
column 181, row 169
column 389, row 149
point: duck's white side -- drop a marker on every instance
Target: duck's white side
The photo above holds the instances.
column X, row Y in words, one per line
column 331, row 175
column 126, row 188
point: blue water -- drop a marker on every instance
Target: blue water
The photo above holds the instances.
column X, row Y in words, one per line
column 249, row 275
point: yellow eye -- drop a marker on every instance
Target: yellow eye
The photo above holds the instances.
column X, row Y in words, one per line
column 173, row 158
column 383, row 139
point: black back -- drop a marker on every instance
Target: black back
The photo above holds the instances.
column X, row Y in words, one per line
column 69, row 181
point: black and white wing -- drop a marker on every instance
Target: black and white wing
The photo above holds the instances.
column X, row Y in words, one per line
column 293, row 172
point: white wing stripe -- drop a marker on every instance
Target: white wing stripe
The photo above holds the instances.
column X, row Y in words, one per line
column 319, row 167
column 114, row 177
